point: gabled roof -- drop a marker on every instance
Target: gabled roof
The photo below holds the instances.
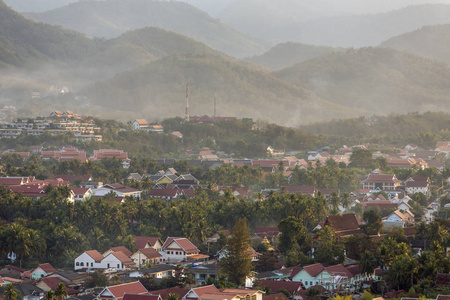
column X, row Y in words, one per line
column 127, row 296
column 150, row 253
column 122, row 249
column 164, row 293
column 355, row 270
column 10, row 267
column 184, row 243
column 339, row 270
column 205, row 290
column 275, row 285
column 95, row 255
column 47, row 268
column 122, row 257
column 141, row 241
column 141, row 122
column 131, row 288
column 343, row 222
column 52, row 282
column 312, row 270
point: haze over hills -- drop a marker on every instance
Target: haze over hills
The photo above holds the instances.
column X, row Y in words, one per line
column 348, row 31
column 288, row 54
column 111, row 18
column 24, row 43
column 36, row 5
column 429, row 41
column 378, row 80
column 159, row 86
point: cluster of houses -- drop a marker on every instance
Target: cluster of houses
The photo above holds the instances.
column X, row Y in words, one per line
column 72, row 153
column 150, row 251
column 35, row 189
column 157, row 259
column 82, row 128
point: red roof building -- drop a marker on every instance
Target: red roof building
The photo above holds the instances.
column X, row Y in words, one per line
column 117, row 292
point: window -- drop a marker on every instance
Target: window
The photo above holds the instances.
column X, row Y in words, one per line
column 306, row 282
column 92, row 264
column 310, row 283
column 77, row 264
column 82, row 264
column 118, row 266
column 108, row 265
column 176, row 253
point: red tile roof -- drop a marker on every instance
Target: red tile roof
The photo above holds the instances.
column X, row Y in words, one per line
column 48, row 268
column 312, row 270
column 95, row 255
column 343, row 222
column 15, row 268
column 127, row 296
column 150, row 253
column 164, row 293
column 52, row 282
column 184, row 243
column 141, row 241
column 123, row 258
column 339, row 270
column 131, row 288
column 290, row 286
column 122, row 249
column 205, row 290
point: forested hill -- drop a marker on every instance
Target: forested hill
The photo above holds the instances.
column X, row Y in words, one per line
column 429, row 41
column 23, row 42
column 114, row 17
column 136, row 48
column 424, row 129
column 288, row 54
column 377, row 80
column 158, row 89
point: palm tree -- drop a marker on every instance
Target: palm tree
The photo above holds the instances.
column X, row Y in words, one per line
column 368, row 263
column 10, row 292
column 61, row 292
column 50, row 295
column 173, row 296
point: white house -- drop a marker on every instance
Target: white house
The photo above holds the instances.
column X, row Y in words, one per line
column 140, row 124
column 88, row 260
column 81, row 194
column 398, row 216
column 117, row 188
column 178, row 249
column 116, row 260
column 145, row 256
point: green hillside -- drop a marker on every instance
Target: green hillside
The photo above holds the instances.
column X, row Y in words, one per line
column 288, row 54
column 113, row 17
column 377, row 80
column 158, row 88
column 429, row 41
column 136, row 48
column 23, row 42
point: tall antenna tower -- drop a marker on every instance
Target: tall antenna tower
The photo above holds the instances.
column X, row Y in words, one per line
column 187, row 103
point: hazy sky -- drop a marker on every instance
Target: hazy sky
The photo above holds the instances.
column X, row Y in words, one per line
column 216, row 7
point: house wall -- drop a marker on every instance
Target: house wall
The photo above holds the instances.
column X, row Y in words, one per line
column 110, row 261
column 173, row 252
column 85, row 261
column 38, row 273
